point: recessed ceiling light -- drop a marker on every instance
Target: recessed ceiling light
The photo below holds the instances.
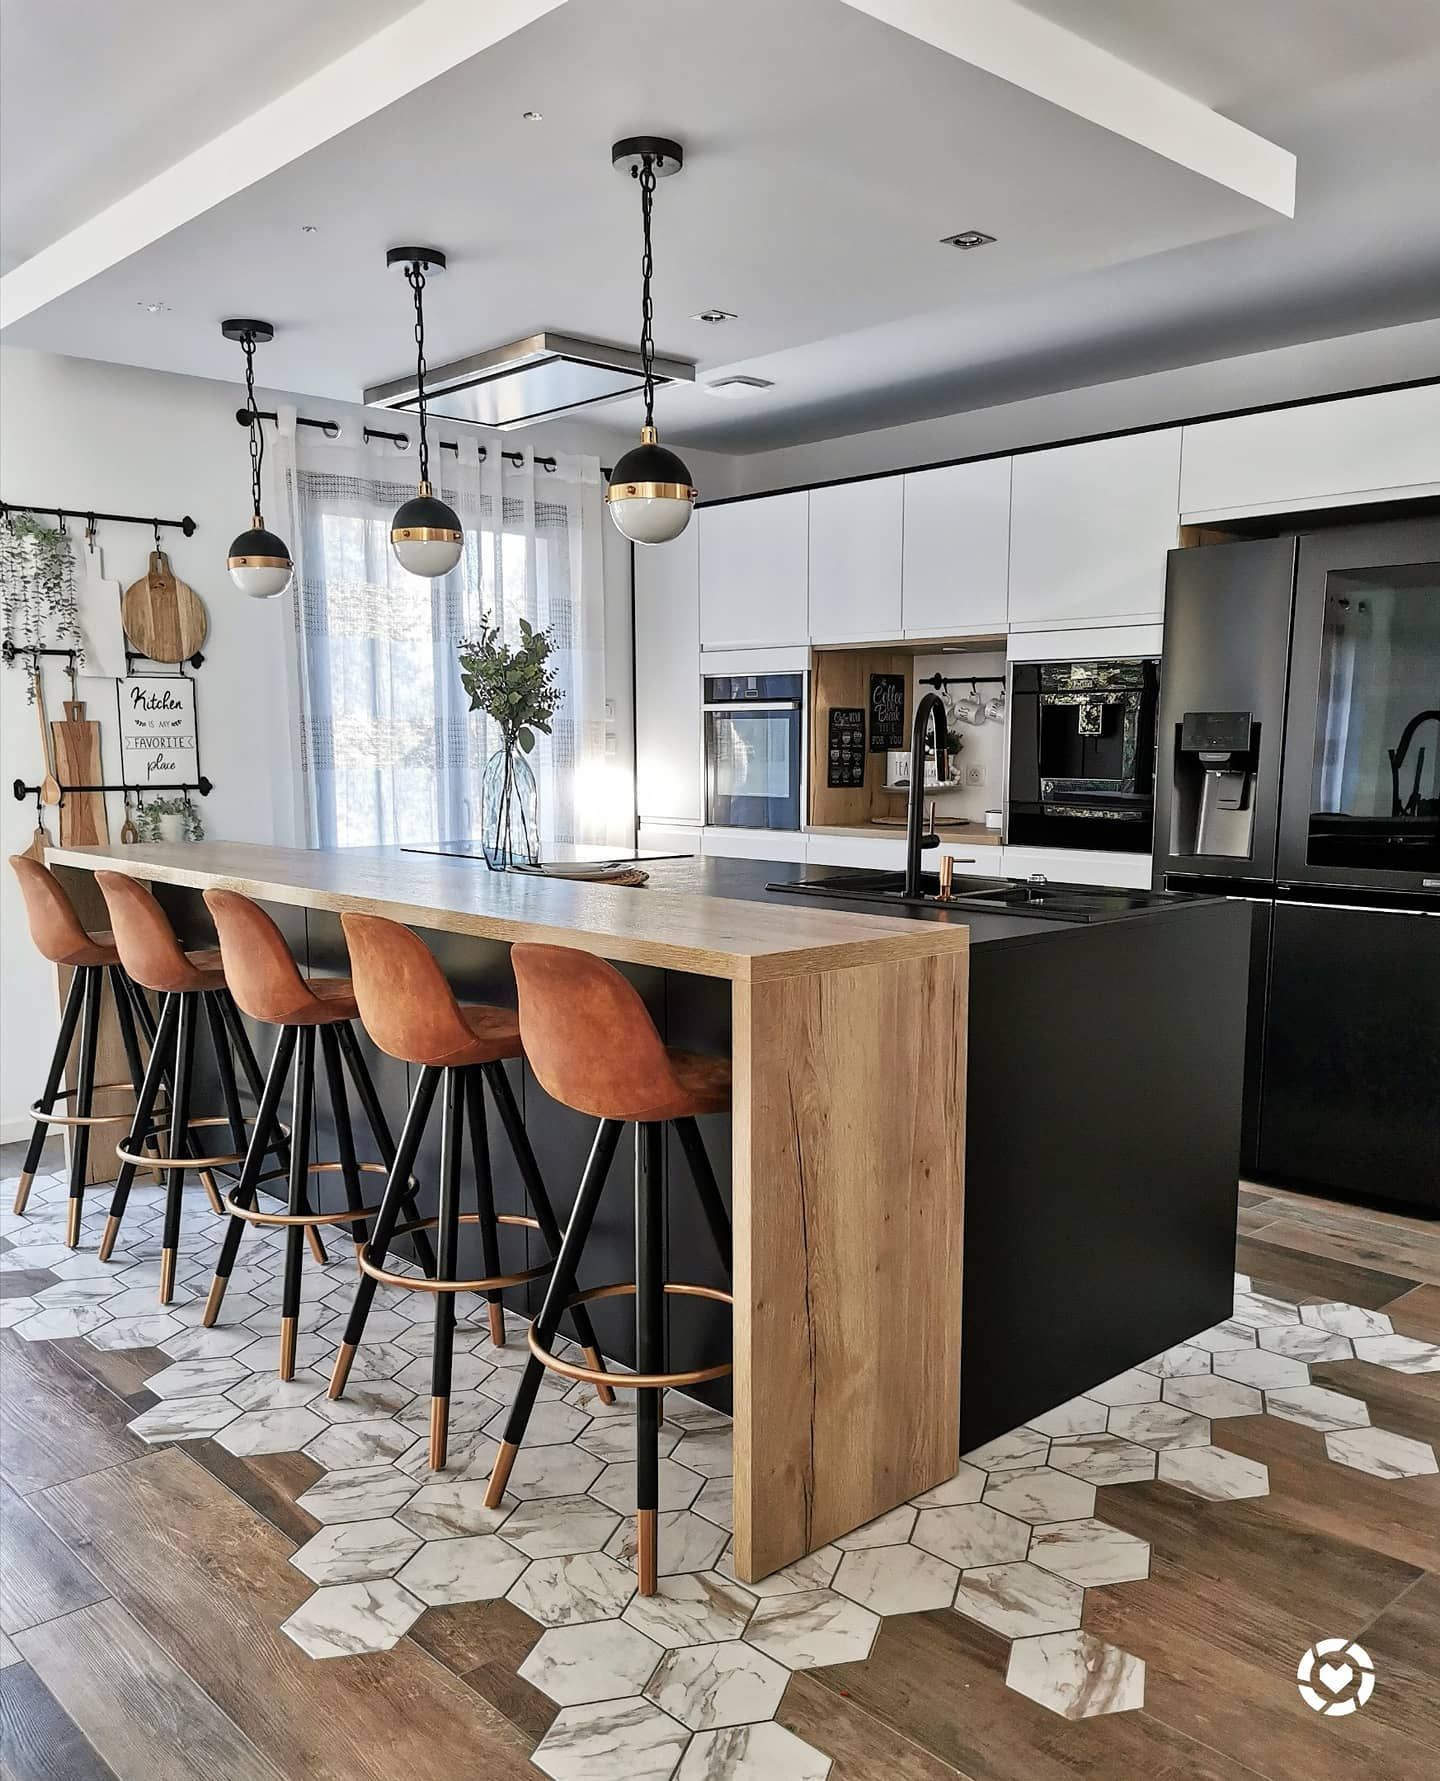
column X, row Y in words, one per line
column 309, row 228
column 153, row 308
column 967, row 238
column 733, row 388
column 533, row 117
column 715, row 315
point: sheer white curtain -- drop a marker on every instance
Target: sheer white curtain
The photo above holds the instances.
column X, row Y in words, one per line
column 389, row 749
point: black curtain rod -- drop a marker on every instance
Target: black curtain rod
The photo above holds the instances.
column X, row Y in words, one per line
column 331, row 430
column 90, row 516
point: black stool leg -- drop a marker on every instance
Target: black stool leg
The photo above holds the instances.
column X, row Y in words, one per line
column 397, row 1198
column 541, row 1207
column 74, row 1001
column 354, row 1059
column 156, row 1073
column 707, row 1188
column 84, row 1101
column 255, row 1155
column 485, row 1196
column 562, row 1284
column 447, row 1256
column 344, row 1136
column 302, row 1105
column 125, row 1020
column 229, row 1094
column 649, row 1344
column 179, row 1118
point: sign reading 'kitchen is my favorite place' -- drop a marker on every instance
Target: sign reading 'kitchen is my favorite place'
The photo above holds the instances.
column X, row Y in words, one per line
column 157, row 729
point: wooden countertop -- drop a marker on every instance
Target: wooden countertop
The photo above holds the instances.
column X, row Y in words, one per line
column 674, row 930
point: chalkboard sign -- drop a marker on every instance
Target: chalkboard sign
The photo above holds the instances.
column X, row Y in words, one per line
column 887, row 712
column 845, row 765
column 157, row 729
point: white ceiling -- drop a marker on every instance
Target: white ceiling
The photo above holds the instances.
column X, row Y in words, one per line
column 828, row 153
column 96, row 97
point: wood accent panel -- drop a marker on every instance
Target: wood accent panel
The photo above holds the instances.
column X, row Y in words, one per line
column 675, row 930
column 848, row 1182
column 140, row 1711
column 211, row 1582
column 40, row 1577
column 842, row 677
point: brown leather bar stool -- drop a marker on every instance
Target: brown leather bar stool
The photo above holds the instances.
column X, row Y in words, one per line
column 411, row 1013
column 189, row 983
column 262, row 976
column 593, row 1046
column 61, row 937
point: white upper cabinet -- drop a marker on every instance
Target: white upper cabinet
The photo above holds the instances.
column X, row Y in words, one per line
column 1089, row 529
column 855, row 545
column 754, row 572
column 1360, row 448
column 667, row 679
column 956, row 571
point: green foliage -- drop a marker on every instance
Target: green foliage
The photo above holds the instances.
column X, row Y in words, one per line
column 514, row 687
column 37, row 587
column 147, row 817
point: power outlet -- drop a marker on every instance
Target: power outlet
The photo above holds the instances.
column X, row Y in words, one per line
column 975, row 775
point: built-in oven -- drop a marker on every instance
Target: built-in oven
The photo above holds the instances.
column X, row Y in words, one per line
column 754, row 750
column 1082, row 754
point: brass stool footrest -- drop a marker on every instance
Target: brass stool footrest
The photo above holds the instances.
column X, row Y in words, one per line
column 633, row 1381
column 493, row 1284
column 157, row 1163
column 255, row 1215
column 75, row 1119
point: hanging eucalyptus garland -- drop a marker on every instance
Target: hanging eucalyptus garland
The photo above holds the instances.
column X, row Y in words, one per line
column 37, row 587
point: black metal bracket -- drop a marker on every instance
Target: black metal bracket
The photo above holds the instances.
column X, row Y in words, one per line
column 331, row 430
column 201, row 785
column 90, row 515
column 138, row 655
column 940, row 680
column 10, row 649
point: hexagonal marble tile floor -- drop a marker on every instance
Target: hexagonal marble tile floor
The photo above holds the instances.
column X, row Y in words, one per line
column 685, row 1683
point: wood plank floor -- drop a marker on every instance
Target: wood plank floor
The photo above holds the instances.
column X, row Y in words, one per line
column 143, row 1588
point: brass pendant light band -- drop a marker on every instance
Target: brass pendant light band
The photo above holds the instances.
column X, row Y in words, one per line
column 425, row 534
column 258, row 563
column 651, row 491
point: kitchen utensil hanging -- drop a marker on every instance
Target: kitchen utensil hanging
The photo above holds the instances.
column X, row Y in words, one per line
column 163, row 618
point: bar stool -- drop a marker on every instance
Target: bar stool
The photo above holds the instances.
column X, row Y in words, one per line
column 189, row 982
column 262, row 976
column 60, row 936
column 410, row 1012
column 593, row 1046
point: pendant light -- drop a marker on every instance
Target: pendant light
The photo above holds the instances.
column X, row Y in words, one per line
column 425, row 532
column 650, row 496
column 259, row 561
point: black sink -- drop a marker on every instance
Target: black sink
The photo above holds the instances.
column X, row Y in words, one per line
column 1013, row 896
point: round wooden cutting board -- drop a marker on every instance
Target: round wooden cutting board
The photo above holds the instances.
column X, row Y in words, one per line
column 163, row 618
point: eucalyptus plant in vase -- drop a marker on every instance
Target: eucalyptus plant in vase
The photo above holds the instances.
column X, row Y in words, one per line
column 517, row 690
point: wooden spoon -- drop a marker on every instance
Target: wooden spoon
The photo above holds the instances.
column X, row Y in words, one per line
column 50, row 792
column 129, row 834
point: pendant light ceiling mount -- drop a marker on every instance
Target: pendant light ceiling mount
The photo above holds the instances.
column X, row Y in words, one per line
column 650, row 495
column 259, row 560
column 425, row 533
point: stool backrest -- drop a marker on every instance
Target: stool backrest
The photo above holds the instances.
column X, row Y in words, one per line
column 144, row 938
column 406, row 1005
column 260, row 970
column 56, row 929
column 587, row 1034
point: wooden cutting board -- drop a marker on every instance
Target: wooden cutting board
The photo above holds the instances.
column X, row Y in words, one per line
column 163, row 618
column 83, row 822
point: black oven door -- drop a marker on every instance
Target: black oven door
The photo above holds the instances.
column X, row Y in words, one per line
column 754, row 751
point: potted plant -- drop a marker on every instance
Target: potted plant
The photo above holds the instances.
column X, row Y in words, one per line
column 517, row 690
column 170, row 819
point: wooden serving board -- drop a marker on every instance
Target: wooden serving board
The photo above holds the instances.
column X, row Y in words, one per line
column 163, row 618
column 83, row 822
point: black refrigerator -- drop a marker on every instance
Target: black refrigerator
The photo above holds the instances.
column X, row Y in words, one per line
column 1299, row 769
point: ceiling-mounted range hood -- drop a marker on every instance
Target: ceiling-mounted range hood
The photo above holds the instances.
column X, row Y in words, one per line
column 529, row 380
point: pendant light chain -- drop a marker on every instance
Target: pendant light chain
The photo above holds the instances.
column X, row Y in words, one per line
column 415, row 274
column 647, row 302
column 257, row 431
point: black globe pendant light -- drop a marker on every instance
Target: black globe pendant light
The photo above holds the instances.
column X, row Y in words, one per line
column 426, row 534
column 650, row 495
column 259, row 560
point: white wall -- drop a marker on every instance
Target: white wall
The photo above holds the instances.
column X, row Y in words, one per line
column 91, row 435
column 1287, row 374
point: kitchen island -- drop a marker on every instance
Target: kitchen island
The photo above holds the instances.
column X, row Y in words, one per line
column 1102, row 1071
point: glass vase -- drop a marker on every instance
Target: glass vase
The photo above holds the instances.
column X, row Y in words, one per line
column 512, row 811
